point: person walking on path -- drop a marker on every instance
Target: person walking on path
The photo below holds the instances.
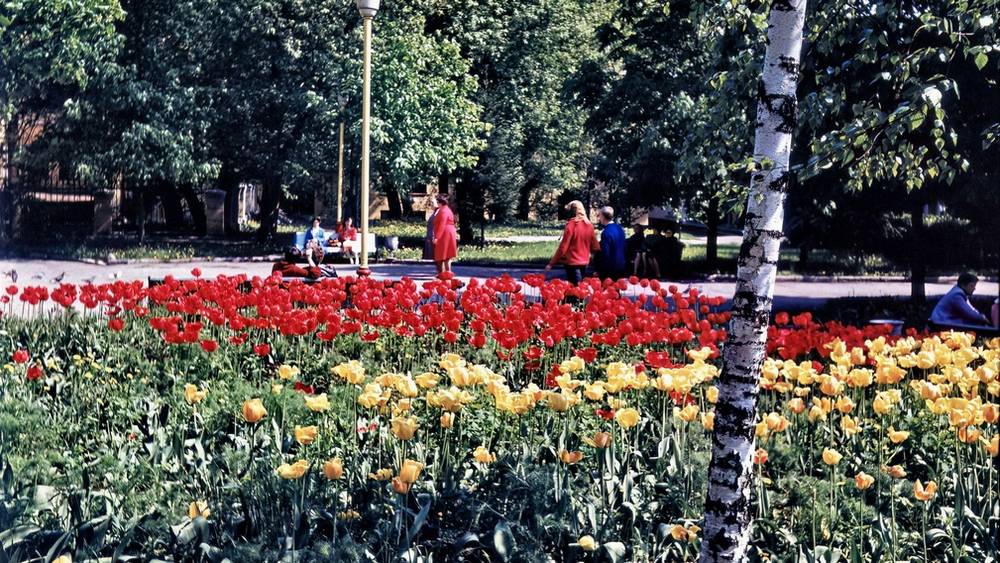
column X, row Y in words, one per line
column 954, row 309
column 445, row 236
column 611, row 260
column 578, row 241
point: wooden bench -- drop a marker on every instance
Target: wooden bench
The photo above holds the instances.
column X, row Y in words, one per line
column 300, row 243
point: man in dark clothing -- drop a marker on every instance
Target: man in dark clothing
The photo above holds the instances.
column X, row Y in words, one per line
column 611, row 259
column 670, row 253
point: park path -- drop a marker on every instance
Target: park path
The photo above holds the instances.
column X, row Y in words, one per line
column 789, row 294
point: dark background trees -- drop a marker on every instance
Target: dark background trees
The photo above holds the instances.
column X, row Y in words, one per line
column 516, row 106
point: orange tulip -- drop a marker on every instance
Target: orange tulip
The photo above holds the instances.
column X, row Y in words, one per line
column 254, row 411
column 570, row 458
column 863, row 480
column 924, row 494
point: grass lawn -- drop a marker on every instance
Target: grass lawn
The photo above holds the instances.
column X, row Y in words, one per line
column 128, row 248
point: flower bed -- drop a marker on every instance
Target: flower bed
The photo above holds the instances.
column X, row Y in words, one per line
column 368, row 420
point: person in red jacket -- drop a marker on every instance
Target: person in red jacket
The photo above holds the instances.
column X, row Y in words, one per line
column 445, row 239
column 578, row 241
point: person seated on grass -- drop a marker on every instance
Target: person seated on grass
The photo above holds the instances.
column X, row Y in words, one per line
column 289, row 266
column 954, row 309
column 347, row 236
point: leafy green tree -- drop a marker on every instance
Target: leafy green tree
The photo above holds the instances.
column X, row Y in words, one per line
column 49, row 51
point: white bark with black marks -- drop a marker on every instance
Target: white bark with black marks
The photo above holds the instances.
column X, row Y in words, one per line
column 727, row 507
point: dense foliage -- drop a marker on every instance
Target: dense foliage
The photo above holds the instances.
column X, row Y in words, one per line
column 367, row 420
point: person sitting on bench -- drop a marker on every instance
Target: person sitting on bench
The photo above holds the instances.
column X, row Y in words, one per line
column 954, row 309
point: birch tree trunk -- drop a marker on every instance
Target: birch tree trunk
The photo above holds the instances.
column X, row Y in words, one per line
column 727, row 506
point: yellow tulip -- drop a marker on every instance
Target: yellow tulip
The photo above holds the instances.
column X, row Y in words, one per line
column 293, row 471
column 383, row 474
column 831, row 456
column 333, row 469
column 991, row 412
column 318, row 403
column 287, row 372
column 587, row 543
column 712, row 394
column 253, row 411
column 306, row 435
column 993, row 446
column 708, row 421
column 404, row 428
column 482, row 455
column 594, row 391
column 849, row 425
column 410, row 471
column 427, row 380
column 924, row 494
column 406, row 387
column 447, row 420
column 687, row 414
column 678, row 532
column 897, row 436
column 198, row 508
column 193, row 395
column 352, row 372
column 863, row 480
column 796, row 405
column 627, row 418
column 63, row 559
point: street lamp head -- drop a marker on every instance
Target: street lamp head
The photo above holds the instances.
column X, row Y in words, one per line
column 368, row 8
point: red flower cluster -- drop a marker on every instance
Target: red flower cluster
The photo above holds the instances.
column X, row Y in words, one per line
column 806, row 338
column 493, row 313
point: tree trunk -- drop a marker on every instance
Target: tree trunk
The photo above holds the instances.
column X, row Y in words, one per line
column 197, row 208
column 918, row 267
column 444, row 179
column 466, row 234
column 229, row 182
column 524, row 199
column 395, row 201
column 727, row 505
column 712, row 239
column 140, row 219
column 270, row 202
column 173, row 211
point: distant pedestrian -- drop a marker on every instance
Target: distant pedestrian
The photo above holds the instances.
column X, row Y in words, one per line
column 955, row 309
column 578, row 241
column 445, row 236
column 611, row 260
column 429, row 239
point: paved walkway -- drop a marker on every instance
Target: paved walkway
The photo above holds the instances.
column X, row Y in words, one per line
column 789, row 295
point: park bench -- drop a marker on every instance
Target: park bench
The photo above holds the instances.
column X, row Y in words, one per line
column 300, row 243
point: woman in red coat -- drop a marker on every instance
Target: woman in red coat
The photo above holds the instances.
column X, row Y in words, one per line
column 578, row 241
column 445, row 237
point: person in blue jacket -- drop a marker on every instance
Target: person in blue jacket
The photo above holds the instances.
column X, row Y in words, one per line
column 610, row 261
column 955, row 309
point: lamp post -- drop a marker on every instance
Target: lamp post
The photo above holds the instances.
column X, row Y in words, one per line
column 340, row 163
column 368, row 9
